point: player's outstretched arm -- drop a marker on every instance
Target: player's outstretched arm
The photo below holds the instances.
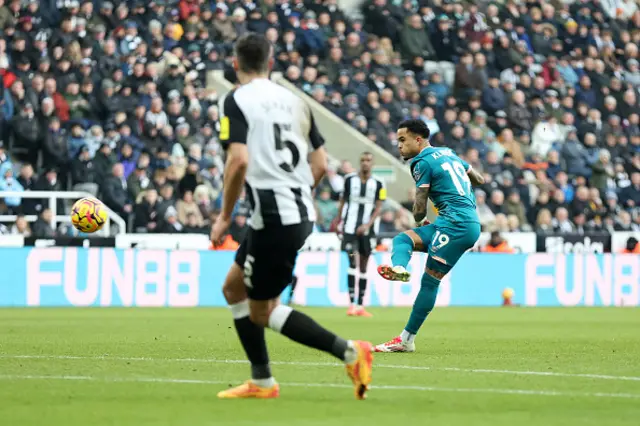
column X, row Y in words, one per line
column 475, row 177
column 420, row 204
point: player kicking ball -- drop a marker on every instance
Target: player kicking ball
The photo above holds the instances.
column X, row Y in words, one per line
column 446, row 179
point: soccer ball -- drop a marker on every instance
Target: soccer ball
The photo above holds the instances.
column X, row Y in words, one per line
column 88, row 215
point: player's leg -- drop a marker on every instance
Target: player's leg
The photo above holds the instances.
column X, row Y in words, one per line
column 262, row 383
column 404, row 244
column 445, row 248
column 364, row 251
column 301, row 328
column 271, row 273
column 425, row 301
column 292, row 289
column 349, row 243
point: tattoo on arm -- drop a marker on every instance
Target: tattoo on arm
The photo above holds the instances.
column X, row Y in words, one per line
column 420, row 204
column 475, row 178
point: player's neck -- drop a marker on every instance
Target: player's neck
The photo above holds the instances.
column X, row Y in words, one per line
column 364, row 175
column 426, row 146
column 246, row 78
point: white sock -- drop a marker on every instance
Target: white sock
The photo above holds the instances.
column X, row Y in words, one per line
column 351, row 354
column 407, row 337
column 265, row 383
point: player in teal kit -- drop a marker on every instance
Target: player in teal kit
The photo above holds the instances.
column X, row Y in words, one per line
column 446, row 179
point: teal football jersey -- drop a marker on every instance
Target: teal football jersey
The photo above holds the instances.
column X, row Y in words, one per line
column 450, row 190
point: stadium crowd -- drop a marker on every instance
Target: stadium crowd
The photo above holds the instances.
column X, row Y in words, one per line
column 540, row 95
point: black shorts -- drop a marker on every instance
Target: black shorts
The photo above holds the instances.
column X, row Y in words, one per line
column 361, row 244
column 268, row 257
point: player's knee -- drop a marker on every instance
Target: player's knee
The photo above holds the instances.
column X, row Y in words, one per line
column 437, row 272
column 233, row 289
column 409, row 238
column 259, row 317
column 260, row 311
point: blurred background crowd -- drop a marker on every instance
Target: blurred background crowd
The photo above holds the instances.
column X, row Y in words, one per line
column 110, row 97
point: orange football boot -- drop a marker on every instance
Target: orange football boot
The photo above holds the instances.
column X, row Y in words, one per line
column 360, row 370
column 250, row 390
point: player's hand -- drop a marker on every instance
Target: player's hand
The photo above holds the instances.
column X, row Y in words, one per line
column 362, row 230
column 219, row 229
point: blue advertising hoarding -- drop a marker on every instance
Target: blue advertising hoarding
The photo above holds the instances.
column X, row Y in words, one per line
column 181, row 278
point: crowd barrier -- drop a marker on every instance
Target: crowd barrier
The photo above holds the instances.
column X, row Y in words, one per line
column 73, row 276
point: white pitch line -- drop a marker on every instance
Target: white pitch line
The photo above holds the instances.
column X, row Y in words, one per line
column 332, row 364
column 528, row 392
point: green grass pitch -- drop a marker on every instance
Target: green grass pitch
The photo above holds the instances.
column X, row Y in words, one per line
column 492, row 366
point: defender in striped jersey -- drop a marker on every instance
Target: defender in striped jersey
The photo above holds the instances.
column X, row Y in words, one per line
column 360, row 206
column 274, row 147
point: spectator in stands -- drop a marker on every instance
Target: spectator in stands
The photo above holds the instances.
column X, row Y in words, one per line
column 82, row 168
column 21, row 227
column 602, row 171
column 624, row 222
column 544, row 222
column 104, row 161
column 42, row 227
column 561, row 222
column 170, row 223
column 187, row 206
column 497, row 244
column 484, row 212
column 28, row 180
column 514, row 206
column 9, row 183
column 146, row 212
column 49, row 181
column 387, row 223
column 139, row 180
column 114, row 190
column 327, row 208
column 631, row 247
column 630, row 196
column 415, row 39
column 56, row 146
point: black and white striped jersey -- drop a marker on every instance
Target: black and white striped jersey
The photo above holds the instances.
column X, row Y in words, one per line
column 360, row 200
column 279, row 131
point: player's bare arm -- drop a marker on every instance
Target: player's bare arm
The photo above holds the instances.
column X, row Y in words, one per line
column 318, row 162
column 475, row 177
column 340, row 210
column 420, row 204
column 234, row 175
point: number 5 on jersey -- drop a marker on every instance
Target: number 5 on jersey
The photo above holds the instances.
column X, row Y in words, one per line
column 285, row 144
column 459, row 177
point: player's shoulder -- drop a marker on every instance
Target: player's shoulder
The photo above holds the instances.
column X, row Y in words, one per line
column 349, row 176
column 228, row 101
column 377, row 180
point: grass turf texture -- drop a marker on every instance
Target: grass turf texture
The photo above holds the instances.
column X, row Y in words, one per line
column 164, row 367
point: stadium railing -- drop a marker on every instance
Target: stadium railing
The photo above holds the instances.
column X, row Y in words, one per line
column 53, row 197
